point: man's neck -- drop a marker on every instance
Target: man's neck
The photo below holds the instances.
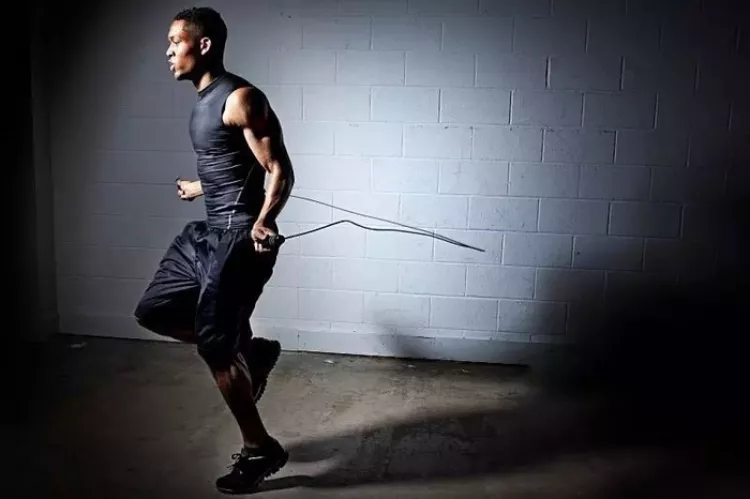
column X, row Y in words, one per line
column 207, row 77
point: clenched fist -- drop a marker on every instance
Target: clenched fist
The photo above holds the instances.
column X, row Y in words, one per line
column 260, row 232
column 189, row 189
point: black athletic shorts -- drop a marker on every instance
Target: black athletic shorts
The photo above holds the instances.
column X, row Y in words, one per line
column 207, row 283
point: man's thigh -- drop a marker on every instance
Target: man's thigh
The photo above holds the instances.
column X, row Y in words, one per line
column 169, row 303
column 230, row 295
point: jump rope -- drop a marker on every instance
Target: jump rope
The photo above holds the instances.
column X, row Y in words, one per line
column 276, row 241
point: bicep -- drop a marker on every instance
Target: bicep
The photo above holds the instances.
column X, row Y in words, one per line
column 251, row 112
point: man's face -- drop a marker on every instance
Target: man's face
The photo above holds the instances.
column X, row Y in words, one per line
column 184, row 51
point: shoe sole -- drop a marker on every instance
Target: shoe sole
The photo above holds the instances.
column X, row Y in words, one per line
column 272, row 470
column 271, row 365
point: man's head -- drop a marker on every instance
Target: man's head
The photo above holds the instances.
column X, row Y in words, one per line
column 197, row 37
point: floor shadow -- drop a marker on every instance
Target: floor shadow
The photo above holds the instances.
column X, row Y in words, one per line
column 288, row 482
column 683, row 422
column 651, row 399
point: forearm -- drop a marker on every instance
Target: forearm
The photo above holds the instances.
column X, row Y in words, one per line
column 280, row 184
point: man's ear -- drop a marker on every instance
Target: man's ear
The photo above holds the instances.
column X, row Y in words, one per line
column 205, row 44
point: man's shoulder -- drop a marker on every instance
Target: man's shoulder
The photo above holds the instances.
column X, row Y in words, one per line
column 244, row 105
column 236, row 81
column 246, row 95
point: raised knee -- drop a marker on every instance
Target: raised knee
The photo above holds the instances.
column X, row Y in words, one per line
column 143, row 316
column 223, row 379
column 218, row 360
column 150, row 319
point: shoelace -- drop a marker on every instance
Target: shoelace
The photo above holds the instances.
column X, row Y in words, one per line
column 239, row 457
column 236, row 458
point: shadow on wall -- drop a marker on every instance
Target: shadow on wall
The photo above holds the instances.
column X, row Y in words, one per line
column 651, row 402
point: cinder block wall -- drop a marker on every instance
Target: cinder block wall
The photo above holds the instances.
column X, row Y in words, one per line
column 580, row 143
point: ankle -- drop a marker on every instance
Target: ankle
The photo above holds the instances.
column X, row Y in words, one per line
column 260, row 444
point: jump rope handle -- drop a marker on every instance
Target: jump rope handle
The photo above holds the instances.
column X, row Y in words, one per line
column 273, row 241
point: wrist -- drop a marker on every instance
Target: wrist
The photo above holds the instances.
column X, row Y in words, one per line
column 266, row 221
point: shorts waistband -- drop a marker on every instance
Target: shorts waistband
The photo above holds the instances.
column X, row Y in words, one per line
column 241, row 221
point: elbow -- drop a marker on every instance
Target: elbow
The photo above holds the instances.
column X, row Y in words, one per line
column 290, row 180
column 287, row 173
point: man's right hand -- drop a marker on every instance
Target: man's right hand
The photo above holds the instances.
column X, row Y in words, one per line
column 189, row 189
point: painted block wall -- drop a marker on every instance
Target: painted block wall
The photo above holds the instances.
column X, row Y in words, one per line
column 582, row 144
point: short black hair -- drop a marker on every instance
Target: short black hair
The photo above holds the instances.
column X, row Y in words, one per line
column 206, row 22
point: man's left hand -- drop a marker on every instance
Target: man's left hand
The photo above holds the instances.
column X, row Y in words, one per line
column 259, row 233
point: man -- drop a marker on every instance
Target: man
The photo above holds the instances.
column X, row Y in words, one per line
column 210, row 278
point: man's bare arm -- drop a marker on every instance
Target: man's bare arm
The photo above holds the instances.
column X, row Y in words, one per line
column 248, row 109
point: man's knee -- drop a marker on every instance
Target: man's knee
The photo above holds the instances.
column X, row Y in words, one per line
column 153, row 319
column 219, row 361
column 145, row 316
column 223, row 379
column 150, row 316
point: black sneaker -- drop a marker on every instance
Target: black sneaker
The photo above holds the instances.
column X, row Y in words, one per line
column 250, row 468
column 261, row 357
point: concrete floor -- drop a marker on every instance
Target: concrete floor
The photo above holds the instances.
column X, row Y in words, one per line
column 116, row 419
